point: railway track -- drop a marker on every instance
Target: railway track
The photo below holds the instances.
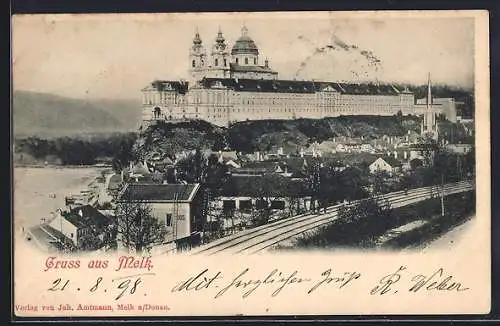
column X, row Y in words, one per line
column 263, row 237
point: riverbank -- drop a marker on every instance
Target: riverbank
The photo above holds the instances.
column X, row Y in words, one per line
column 40, row 191
column 55, row 166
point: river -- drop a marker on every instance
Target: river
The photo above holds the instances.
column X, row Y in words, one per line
column 38, row 191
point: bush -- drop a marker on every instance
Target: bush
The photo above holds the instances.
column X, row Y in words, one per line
column 358, row 225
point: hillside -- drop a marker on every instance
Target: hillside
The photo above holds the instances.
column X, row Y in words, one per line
column 267, row 134
column 250, row 136
column 170, row 138
column 52, row 115
column 128, row 111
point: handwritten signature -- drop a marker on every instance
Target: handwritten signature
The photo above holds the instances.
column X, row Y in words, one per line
column 419, row 282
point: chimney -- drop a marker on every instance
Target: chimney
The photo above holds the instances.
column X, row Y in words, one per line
column 405, row 155
column 80, row 212
column 388, row 153
column 395, row 154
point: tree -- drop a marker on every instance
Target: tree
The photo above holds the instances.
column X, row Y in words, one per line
column 264, row 190
column 216, row 175
column 369, row 218
column 137, row 228
column 406, row 182
column 380, row 185
column 89, row 242
column 295, row 190
column 416, row 163
column 330, row 190
column 399, row 117
column 446, row 165
column 313, row 173
column 469, row 163
column 228, row 214
column 428, row 146
column 353, row 181
column 124, row 153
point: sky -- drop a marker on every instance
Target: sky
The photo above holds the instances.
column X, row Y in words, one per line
column 115, row 55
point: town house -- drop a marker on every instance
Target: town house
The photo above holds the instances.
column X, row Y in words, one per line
column 175, row 205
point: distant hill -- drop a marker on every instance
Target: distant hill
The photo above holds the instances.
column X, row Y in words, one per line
column 45, row 114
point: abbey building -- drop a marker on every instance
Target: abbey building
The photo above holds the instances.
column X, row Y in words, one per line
column 230, row 85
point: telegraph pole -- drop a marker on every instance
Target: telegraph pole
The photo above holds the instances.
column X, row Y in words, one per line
column 442, row 194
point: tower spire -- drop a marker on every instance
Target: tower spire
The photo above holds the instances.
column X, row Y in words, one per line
column 429, row 124
column 220, row 37
column 197, row 38
column 429, row 92
column 244, row 30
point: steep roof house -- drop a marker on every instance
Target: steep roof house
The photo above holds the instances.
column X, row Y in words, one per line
column 175, row 205
column 82, row 222
column 385, row 164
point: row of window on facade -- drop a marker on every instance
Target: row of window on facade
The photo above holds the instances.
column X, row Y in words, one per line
column 169, row 219
column 216, row 62
column 165, row 98
column 247, row 204
column 157, row 111
column 162, row 98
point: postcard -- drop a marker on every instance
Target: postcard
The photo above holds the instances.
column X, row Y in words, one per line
column 251, row 164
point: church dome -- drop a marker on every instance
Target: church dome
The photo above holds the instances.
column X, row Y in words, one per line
column 245, row 45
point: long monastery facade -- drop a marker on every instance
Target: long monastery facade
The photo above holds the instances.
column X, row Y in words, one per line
column 228, row 87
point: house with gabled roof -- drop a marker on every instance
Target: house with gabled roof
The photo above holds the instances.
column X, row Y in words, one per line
column 83, row 222
column 175, row 205
column 387, row 164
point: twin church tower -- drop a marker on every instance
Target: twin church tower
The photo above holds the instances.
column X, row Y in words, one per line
column 241, row 62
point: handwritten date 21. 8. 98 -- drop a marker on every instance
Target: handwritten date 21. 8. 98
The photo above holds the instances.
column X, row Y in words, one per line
column 126, row 285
